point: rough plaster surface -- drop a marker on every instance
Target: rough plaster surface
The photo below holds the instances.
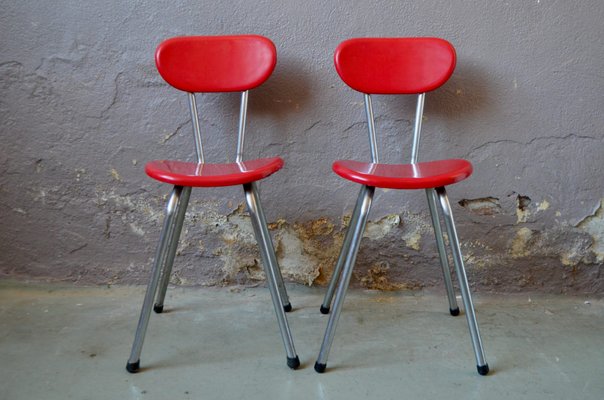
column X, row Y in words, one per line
column 82, row 109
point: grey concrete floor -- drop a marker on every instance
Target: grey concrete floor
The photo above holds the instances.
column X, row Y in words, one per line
column 60, row 342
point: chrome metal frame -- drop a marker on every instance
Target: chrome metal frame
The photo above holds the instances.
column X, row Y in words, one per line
column 158, row 307
column 343, row 269
column 172, row 211
column 242, row 120
column 442, row 252
column 371, row 127
column 271, row 269
column 168, row 243
column 337, row 272
column 481, row 363
column 417, row 129
column 196, row 129
column 348, row 254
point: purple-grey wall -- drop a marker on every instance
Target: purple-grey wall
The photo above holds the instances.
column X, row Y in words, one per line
column 82, row 109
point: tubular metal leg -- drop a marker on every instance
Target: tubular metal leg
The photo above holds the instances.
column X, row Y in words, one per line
column 337, row 272
column 269, row 261
column 482, row 366
column 172, row 209
column 361, row 214
column 287, row 305
column 158, row 307
column 442, row 252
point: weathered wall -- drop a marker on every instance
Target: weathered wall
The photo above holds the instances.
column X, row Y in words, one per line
column 82, row 109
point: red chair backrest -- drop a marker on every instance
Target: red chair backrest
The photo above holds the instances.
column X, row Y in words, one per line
column 395, row 65
column 216, row 63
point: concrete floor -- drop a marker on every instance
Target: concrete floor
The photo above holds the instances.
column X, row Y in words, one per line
column 59, row 342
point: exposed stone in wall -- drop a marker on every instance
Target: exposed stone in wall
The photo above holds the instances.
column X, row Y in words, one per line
column 482, row 206
column 522, row 208
column 389, row 260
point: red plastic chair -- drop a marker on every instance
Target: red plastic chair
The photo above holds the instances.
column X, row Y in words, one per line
column 398, row 66
column 213, row 64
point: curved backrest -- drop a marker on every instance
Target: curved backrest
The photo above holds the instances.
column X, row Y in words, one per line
column 395, row 65
column 216, row 63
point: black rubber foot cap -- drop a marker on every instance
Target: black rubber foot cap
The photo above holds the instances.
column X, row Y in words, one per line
column 320, row 368
column 158, row 309
column 483, row 369
column 133, row 367
column 454, row 311
column 287, row 307
column 293, row 363
column 324, row 310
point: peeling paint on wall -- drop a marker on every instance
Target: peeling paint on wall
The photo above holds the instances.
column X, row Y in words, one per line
column 378, row 278
column 379, row 229
column 594, row 226
column 522, row 208
column 521, row 244
column 542, row 206
column 482, row 206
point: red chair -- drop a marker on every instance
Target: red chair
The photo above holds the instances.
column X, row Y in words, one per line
column 398, row 66
column 213, row 64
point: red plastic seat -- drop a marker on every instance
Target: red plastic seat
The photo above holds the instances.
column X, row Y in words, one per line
column 212, row 175
column 421, row 175
column 213, row 64
column 397, row 66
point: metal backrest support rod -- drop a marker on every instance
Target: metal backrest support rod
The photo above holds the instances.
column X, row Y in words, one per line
column 419, row 112
column 371, row 127
column 242, row 119
column 196, row 130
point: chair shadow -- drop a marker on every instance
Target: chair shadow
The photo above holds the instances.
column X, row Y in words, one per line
column 466, row 93
column 175, row 310
column 286, row 91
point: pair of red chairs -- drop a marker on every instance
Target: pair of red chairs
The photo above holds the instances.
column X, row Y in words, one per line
column 370, row 66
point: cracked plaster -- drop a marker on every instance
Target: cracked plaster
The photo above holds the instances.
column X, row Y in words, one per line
column 82, row 109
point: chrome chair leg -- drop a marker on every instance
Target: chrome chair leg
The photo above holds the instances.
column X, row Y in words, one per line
column 442, row 252
column 158, row 307
column 360, row 216
column 172, row 209
column 481, row 364
column 269, row 261
column 287, row 305
column 337, row 272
